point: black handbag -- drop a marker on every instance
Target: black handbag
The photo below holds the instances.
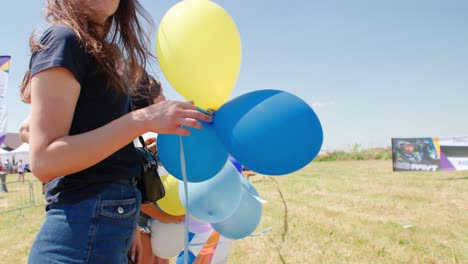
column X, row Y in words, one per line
column 149, row 184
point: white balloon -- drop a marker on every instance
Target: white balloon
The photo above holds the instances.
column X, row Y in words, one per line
column 167, row 240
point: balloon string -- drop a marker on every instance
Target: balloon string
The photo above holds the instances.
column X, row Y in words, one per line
column 184, row 176
column 255, row 195
column 261, row 233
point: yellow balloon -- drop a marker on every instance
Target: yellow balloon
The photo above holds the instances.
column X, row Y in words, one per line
column 199, row 51
column 171, row 203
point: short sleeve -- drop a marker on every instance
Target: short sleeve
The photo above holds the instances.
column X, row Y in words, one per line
column 60, row 48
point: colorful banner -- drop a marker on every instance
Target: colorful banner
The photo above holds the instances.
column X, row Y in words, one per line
column 430, row 154
column 4, row 69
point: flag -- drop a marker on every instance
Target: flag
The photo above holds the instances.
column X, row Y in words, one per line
column 4, row 69
column 206, row 253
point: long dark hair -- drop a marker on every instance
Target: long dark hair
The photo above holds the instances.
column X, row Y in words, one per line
column 124, row 40
column 148, row 89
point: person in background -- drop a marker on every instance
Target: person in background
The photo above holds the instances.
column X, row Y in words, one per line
column 150, row 211
column 150, row 92
column 82, row 129
column 20, row 169
column 3, row 175
column 8, row 166
column 24, row 130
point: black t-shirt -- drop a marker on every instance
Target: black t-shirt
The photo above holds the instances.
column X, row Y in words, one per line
column 97, row 105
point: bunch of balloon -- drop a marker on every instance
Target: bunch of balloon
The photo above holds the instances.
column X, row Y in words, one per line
column 271, row 132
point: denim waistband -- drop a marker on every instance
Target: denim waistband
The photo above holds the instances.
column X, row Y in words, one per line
column 132, row 181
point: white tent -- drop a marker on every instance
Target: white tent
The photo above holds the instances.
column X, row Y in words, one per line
column 20, row 153
column 23, row 148
column 4, row 155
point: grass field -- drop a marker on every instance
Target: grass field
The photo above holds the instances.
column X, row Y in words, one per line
column 331, row 212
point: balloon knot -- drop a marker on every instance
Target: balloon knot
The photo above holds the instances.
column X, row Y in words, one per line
column 208, row 111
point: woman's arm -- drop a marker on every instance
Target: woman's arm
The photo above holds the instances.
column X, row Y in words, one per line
column 54, row 153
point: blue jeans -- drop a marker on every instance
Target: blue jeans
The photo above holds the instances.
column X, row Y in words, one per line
column 96, row 230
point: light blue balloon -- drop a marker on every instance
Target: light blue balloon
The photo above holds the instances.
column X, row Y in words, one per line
column 246, row 218
column 269, row 131
column 215, row 199
column 204, row 153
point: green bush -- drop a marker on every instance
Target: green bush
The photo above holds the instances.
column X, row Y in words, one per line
column 357, row 154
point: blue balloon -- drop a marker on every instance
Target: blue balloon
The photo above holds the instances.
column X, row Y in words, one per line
column 235, row 163
column 269, row 131
column 215, row 199
column 246, row 218
column 204, row 153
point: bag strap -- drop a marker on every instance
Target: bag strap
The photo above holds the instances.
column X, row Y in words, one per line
column 130, row 109
column 142, row 141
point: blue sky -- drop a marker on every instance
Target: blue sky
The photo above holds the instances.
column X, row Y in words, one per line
column 371, row 70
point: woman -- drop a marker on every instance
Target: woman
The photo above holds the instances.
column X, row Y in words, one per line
column 82, row 129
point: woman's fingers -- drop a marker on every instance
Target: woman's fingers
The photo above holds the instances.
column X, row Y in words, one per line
column 172, row 116
column 195, row 114
column 181, row 131
column 192, row 118
column 190, row 122
column 188, row 105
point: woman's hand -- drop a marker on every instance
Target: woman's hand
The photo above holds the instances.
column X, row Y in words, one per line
column 168, row 117
column 24, row 130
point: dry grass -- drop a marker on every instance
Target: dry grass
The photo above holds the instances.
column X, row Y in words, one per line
column 355, row 212
column 332, row 212
column 18, row 228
